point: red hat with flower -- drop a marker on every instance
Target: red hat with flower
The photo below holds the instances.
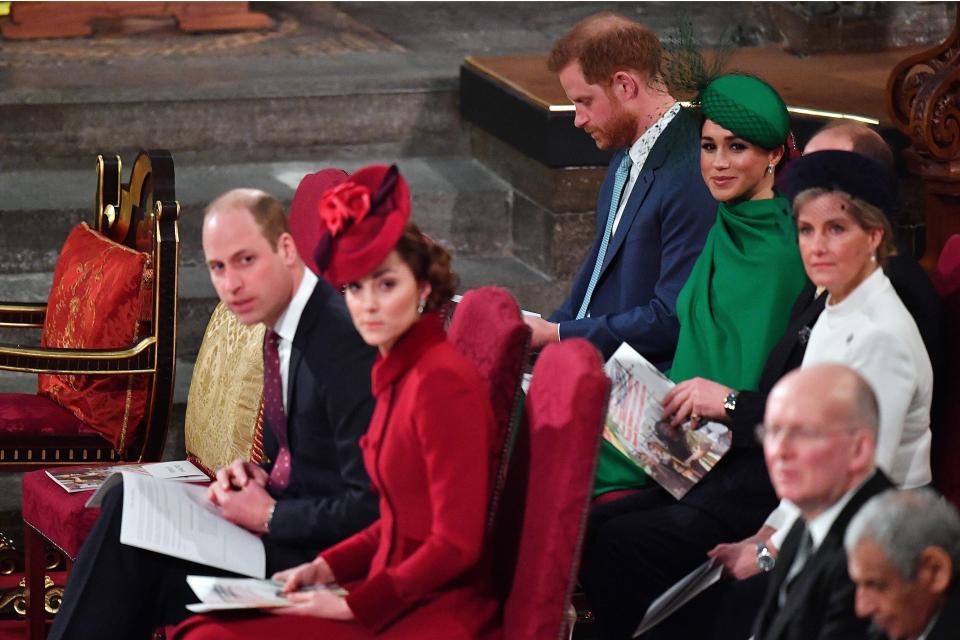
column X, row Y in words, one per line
column 361, row 221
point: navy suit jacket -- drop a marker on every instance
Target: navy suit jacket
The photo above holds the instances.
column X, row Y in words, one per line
column 648, row 260
column 329, row 405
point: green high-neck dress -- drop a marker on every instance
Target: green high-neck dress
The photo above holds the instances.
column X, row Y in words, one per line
column 732, row 310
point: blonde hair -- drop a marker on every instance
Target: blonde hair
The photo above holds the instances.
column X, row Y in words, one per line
column 866, row 215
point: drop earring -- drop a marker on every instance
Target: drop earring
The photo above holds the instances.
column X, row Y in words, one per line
column 420, row 307
column 770, row 168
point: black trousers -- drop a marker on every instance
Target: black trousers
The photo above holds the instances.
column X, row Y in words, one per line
column 637, row 547
column 119, row 591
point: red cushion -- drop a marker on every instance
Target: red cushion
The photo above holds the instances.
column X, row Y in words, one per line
column 31, row 415
column 96, row 303
column 555, row 459
column 61, row 517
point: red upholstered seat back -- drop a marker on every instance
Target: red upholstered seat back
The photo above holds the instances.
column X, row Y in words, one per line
column 548, row 490
column 946, row 279
column 487, row 330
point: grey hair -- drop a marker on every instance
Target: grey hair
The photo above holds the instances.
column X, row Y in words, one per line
column 903, row 524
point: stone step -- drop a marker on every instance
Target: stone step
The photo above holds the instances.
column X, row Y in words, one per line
column 243, row 108
column 455, row 199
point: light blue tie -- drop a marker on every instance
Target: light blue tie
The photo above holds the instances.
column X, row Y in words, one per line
column 623, row 171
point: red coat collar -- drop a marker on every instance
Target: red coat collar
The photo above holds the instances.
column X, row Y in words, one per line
column 425, row 333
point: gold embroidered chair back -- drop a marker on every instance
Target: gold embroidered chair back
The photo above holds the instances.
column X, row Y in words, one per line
column 224, row 418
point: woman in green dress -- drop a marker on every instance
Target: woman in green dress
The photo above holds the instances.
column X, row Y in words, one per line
column 737, row 300
column 733, row 308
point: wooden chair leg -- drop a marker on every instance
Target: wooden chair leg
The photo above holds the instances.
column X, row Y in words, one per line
column 35, row 569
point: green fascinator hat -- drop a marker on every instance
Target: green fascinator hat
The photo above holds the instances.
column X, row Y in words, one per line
column 748, row 107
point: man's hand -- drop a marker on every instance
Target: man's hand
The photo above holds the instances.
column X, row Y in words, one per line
column 309, row 573
column 740, row 558
column 695, row 398
column 238, row 473
column 248, row 506
column 543, row 332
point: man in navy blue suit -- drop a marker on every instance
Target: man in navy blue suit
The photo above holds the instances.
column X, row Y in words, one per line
column 653, row 211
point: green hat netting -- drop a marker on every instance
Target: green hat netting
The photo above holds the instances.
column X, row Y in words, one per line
column 748, row 107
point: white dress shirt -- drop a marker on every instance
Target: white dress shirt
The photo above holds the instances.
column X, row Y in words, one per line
column 286, row 326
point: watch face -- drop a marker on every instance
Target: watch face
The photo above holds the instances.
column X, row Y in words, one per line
column 730, row 402
column 765, row 560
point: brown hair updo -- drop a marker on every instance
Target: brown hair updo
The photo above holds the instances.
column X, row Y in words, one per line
column 430, row 263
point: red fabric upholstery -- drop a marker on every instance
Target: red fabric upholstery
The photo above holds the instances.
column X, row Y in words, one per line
column 96, row 303
column 31, row 415
column 61, row 517
column 488, row 330
column 946, row 471
column 552, row 467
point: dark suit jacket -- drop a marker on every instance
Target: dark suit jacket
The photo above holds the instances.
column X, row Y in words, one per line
column 329, row 404
column 948, row 624
column 660, row 235
column 821, row 601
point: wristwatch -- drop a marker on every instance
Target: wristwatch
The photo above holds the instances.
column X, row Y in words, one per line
column 730, row 402
column 766, row 561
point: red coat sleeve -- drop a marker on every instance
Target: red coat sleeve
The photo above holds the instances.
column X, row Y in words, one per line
column 350, row 559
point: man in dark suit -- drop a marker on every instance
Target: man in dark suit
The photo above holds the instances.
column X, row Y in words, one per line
column 819, row 437
column 653, row 210
column 312, row 492
column 903, row 555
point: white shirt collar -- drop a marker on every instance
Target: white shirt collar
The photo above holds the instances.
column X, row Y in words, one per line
column 820, row 525
column 640, row 149
column 286, row 325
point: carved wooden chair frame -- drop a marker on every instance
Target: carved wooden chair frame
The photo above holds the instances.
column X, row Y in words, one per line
column 142, row 214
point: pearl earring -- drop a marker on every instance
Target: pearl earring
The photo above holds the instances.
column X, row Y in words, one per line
column 420, row 307
column 770, row 168
column 873, row 258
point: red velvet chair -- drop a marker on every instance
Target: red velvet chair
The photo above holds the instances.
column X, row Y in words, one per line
column 549, row 485
column 946, row 448
column 488, row 330
column 106, row 360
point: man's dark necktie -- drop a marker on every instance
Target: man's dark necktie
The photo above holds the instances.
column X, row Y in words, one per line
column 273, row 409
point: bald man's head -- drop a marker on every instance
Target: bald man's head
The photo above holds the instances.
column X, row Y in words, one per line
column 820, row 431
column 850, row 135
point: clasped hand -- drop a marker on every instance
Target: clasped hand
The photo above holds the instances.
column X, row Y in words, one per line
column 240, row 491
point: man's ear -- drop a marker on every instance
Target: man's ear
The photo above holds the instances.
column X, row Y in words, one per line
column 624, row 85
column 287, row 249
column 864, row 448
column 934, row 570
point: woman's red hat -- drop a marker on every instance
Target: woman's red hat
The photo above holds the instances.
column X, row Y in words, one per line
column 361, row 221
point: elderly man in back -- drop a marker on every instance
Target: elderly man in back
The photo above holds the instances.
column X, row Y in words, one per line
column 819, row 435
column 903, row 555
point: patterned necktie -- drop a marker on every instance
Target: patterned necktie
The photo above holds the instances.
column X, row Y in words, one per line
column 623, row 172
column 273, row 409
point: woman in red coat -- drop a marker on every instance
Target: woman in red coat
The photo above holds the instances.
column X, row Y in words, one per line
column 417, row 571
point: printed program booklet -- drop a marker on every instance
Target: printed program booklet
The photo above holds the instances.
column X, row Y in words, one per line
column 220, row 594
column 685, row 590
column 89, row 478
column 677, row 458
column 177, row 519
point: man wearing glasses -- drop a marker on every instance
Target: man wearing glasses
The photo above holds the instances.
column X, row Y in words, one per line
column 819, row 435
